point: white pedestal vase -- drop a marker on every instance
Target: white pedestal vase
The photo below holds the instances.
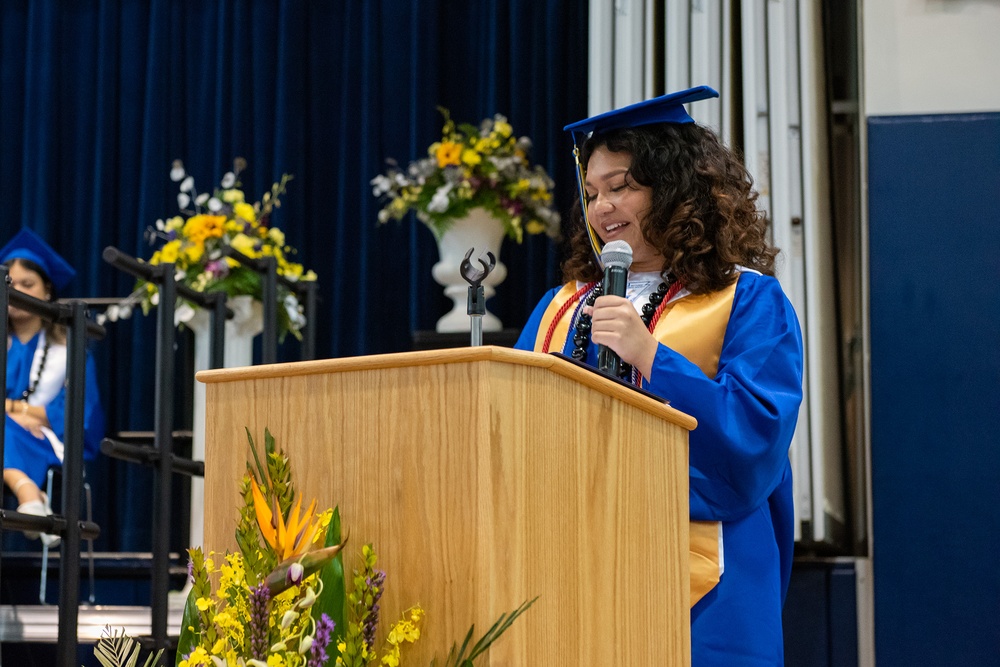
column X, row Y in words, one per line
column 247, row 322
column 481, row 231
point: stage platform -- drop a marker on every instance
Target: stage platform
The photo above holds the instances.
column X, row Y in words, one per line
column 39, row 624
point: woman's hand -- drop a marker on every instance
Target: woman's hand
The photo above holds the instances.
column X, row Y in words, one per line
column 618, row 326
column 30, row 417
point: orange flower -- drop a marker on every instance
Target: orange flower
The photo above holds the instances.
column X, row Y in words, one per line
column 449, row 153
column 288, row 540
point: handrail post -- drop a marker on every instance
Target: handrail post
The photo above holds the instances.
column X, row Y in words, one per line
column 164, row 441
column 69, row 566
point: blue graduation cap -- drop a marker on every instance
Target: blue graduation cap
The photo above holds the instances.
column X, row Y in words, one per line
column 667, row 108
column 26, row 244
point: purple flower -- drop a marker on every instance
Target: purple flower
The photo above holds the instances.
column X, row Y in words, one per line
column 324, row 634
column 260, row 598
column 218, row 268
column 190, row 570
column 371, row 620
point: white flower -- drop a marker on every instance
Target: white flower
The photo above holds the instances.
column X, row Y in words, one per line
column 177, row 171
column 124, row 312
column 214, row 205
column 155, row 299
column 159, row 224
column 112, row 313
column 305, row 645
column 439, row 202
column 383, row 216
column 295, row 572
column 187, row 184
column 295, row 317
column 183, row 199
column 288, row 619
column 308, row 600
column 229, row 180
column 217, row 661
column 202, row 198
column 101, row 319
column 381, row 185
column 183, row 314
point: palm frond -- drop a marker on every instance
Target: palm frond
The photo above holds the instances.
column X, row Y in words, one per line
column 120, row 650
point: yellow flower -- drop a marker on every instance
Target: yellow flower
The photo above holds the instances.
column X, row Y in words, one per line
column 535, row 227
column 245, row 211
column 168, row 253
column 448, row 153
column 198, row 658
column 174, row 223
column 503, row 128
column 232, row 196
column 203, row 604
column 277, row 236
column 471, row 157
column 244, row 244
column 193, row 253
column 275, row 660
column 201, row 227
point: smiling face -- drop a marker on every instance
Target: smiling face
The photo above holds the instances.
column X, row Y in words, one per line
column 617, row 206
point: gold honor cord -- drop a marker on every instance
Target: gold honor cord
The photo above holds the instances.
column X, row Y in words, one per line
column 595, row 242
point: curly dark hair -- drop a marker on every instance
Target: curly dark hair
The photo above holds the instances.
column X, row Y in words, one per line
column 704, row 219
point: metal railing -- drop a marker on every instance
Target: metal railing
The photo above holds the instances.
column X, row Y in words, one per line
column 68, row 524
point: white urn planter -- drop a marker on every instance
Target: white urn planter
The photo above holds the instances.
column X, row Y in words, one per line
column 247, row 322
column 479, row 230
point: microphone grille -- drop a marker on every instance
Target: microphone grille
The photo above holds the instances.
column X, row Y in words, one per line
column 617, row 253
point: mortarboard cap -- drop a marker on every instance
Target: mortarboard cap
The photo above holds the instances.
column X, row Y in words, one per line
column 26, row 244
column 663, row 109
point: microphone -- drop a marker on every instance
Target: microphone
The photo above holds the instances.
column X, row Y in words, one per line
column 616, row 257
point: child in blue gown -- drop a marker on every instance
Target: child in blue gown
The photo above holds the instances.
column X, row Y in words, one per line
column 35, row 397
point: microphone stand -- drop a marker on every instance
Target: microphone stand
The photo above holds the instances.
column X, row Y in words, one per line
column 477, row 298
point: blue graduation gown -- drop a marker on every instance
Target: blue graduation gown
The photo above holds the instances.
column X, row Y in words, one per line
column 22, row 450
column 740, row 474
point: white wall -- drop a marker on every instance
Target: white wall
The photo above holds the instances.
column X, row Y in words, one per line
column 931, row 56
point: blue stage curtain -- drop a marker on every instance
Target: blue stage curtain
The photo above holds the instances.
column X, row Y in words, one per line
column 97, row 97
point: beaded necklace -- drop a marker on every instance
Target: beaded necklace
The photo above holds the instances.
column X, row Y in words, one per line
column 33, row 383
column 580, row 324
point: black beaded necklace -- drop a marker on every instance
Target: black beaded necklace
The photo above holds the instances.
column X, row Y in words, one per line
column 33, row 383
column 581, row 336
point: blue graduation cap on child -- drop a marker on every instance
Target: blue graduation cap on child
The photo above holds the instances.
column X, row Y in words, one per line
column 667, row 108
column 28, row 245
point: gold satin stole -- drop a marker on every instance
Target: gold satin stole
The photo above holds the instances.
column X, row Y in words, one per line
column 694, row 326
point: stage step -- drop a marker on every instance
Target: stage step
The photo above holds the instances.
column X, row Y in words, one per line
column 39, row 624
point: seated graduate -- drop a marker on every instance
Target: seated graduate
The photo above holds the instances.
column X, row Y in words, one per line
column 36, row 379
column 705, row 325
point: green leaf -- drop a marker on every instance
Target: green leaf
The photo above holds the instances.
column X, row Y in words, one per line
column 332, row 600
column 457, row 658
column 190, row 628
column 261, row 471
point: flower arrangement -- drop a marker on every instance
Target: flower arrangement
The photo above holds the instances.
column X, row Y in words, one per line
column 195, row 240
column 472, row 167
column 283, row 599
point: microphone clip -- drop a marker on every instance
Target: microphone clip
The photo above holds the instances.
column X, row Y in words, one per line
column 477, row 298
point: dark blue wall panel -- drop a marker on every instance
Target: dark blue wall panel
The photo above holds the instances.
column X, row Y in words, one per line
column 934, row 197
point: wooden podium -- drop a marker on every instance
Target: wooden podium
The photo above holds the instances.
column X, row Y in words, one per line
column 484, row 477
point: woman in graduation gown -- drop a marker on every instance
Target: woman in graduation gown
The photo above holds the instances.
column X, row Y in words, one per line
column 35, row 403
column 705, row 325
